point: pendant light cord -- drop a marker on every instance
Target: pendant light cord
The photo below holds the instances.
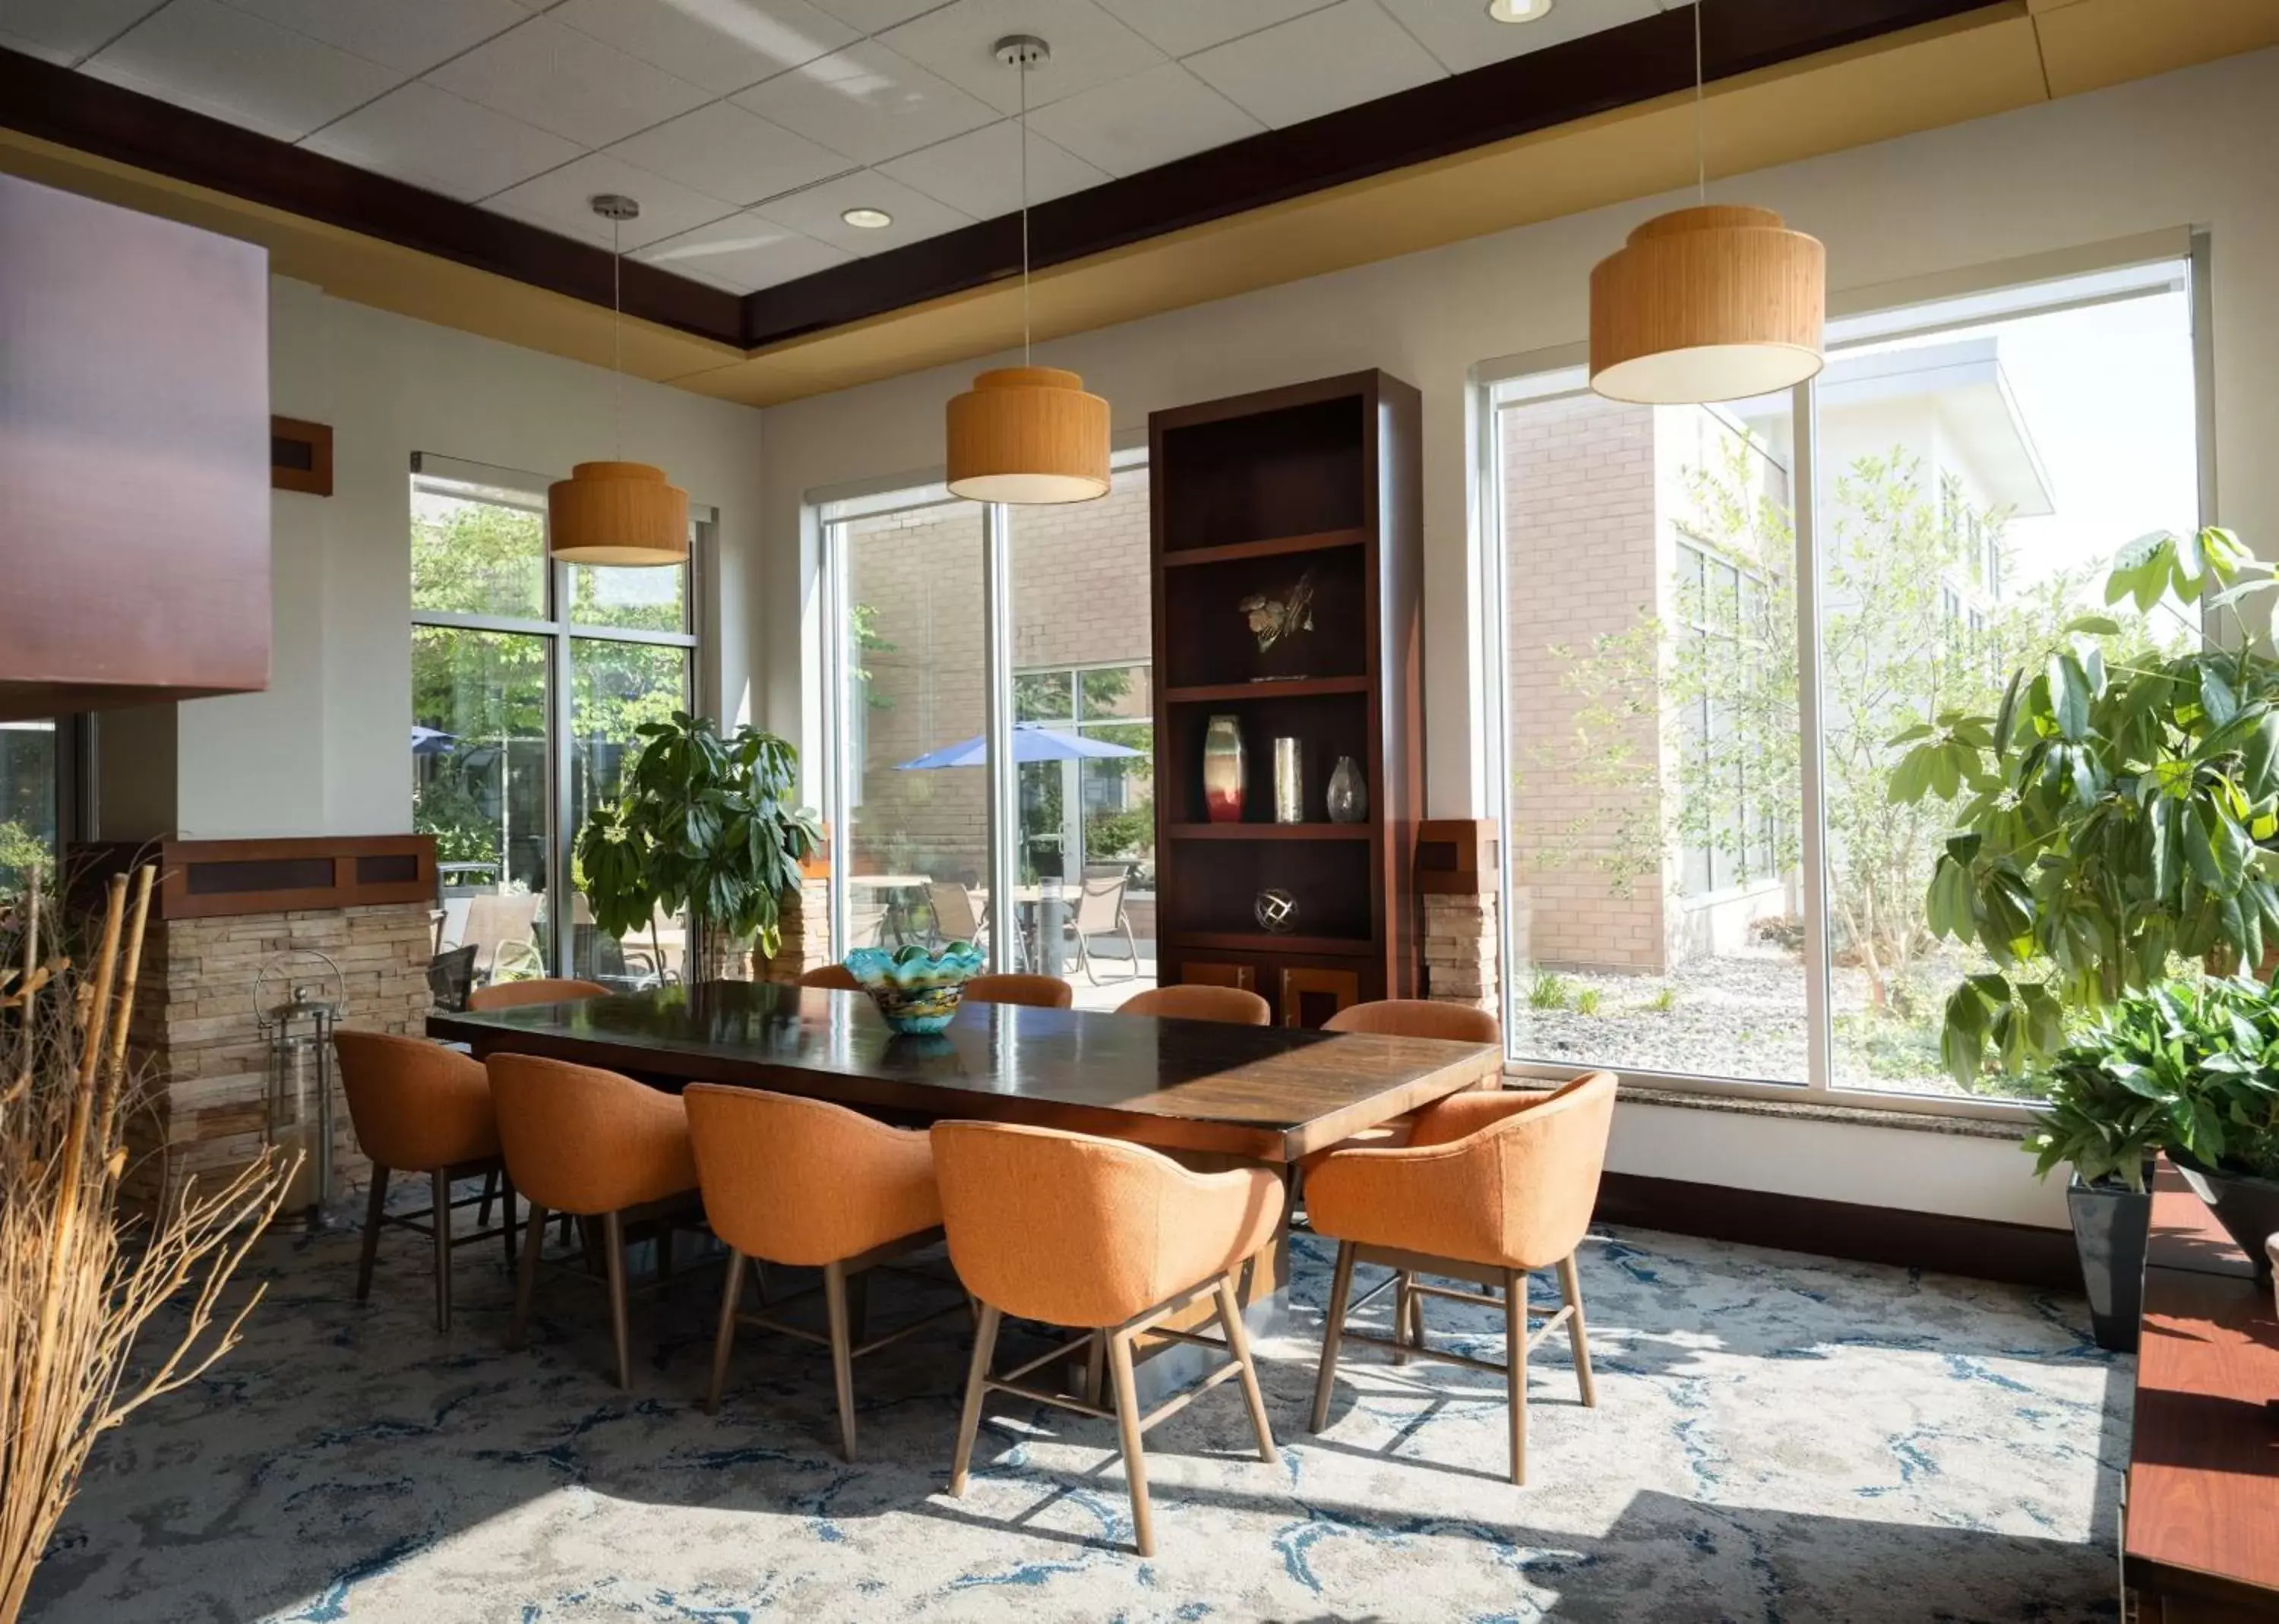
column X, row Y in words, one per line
column 617, row 339
column 1700, row 145
column 1023, row 131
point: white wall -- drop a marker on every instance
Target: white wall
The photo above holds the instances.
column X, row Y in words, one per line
column 323, row 751
column 2190, row 148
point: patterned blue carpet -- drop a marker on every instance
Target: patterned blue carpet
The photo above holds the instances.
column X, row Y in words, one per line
column 1779, row 1439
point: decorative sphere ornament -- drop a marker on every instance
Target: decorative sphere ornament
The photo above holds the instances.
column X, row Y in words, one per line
column 1275, row 910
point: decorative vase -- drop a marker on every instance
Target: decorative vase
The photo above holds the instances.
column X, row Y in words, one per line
column 1348, row 792
column 1289, row 782
column 1223, row 771
column 2245, row 1206
column 2111, row 1224
column 915, row 990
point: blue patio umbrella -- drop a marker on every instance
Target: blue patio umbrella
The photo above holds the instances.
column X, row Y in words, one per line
column 431, row 740
column 1032, row 741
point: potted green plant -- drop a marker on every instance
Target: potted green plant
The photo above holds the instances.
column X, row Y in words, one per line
column 2113, row 812
column 2185, row 1067
column 702, row 824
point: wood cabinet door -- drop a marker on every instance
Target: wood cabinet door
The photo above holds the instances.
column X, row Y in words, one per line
column 1203, row 973
column 1311, row 995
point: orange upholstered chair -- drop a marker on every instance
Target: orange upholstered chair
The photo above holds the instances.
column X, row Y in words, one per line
column 418, row 1107
column 1236, row 1006
column 1417, row 1017
column 1038, row 991
column 1107, row 1237
column 837, row 978
column 596, row 1144
column 1489, row 1187
column 813, row 1185
column 539, row 990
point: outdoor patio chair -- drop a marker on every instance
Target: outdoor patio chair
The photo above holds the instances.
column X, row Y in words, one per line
column 1100, row 912
column 956, row 918
column 503, row 929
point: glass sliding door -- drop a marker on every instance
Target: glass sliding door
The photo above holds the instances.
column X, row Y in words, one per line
column 616, row 686
column 910, row 822
column 1061, row 878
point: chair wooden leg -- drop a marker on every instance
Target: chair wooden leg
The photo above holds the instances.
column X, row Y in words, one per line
column 527, row 1282
column 842, row 1362
column 506, row 1230
column 976, row 1388
column 1404, row 1301
column 1333, row 1331
column 1096, row 1369
column 440, row 1221
column 1127, row 1426
column 1237, row 1339
column 613, row 1244
column 490, row 1191
column 1416, row 1318
column 724, row 1340
column 1570, row 1286
column 374, row 1210
column 1515, row 1328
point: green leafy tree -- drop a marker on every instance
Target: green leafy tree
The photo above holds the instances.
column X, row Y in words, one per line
column 704, row 824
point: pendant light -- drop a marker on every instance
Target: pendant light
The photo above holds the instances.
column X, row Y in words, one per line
column 1027, row 433
column 616, row 513
column 1714, row 302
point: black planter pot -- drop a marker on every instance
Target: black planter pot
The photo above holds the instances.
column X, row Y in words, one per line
column 2247, row 1207
column 2111, row 1223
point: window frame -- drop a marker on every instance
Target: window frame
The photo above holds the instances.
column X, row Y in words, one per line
column 559, row 634
column 1884, row 314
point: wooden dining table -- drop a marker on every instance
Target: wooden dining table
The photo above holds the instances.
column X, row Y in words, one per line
column 1212, row 1094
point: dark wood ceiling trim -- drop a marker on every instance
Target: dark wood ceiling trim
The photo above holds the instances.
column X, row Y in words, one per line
column 1599, row 72
column 87, row 114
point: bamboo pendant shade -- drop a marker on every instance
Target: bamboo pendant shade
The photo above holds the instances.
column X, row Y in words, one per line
column 1028, row 434
column 1718, row 302
column 616, row 513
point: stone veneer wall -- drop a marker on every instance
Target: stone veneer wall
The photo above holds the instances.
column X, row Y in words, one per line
column 1462, row 950
column 205, row 1061
column 803, row 926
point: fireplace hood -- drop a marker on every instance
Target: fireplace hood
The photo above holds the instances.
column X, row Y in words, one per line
column 134, row 458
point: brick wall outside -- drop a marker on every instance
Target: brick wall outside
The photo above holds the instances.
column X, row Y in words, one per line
column 1081, row 597
column 1584, row 561
column 206, row 1061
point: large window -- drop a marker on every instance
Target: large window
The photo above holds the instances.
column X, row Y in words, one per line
column 33, row 776
column 942, row 803
column 1707, row 881
column 528, row 679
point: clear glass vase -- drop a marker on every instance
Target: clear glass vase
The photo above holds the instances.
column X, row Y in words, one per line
column 1348, row 792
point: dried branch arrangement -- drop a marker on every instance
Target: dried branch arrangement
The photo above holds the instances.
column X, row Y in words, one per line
column 78, row 1278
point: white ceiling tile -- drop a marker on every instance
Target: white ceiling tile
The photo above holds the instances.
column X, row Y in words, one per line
column 206, row 56
column 727, row 153
column 1313, row 64
column 568, row 82
column 1180, row 27
column 411, row 36
column 874, row 15
column 561, row 200
column 722, row 45
column 429, row 137
column 868, row 102
column 1465, row 37
column 65, row 31
column 1088, row 48
column 1134, row 124
column 814, row 212
column 743, row 253
column 980, row 173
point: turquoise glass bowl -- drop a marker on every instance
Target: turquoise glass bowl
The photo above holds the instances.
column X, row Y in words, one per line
column 915, row 990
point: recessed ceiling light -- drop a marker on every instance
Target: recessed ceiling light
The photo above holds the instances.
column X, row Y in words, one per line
column 1518, row 10
column 868, row 219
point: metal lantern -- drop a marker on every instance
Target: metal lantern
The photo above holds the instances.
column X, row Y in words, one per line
column 299, row 1102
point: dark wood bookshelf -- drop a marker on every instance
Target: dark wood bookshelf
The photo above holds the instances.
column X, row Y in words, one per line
column 1321, row 481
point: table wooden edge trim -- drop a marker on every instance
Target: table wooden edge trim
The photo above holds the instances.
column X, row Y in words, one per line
column 1374, row 1112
